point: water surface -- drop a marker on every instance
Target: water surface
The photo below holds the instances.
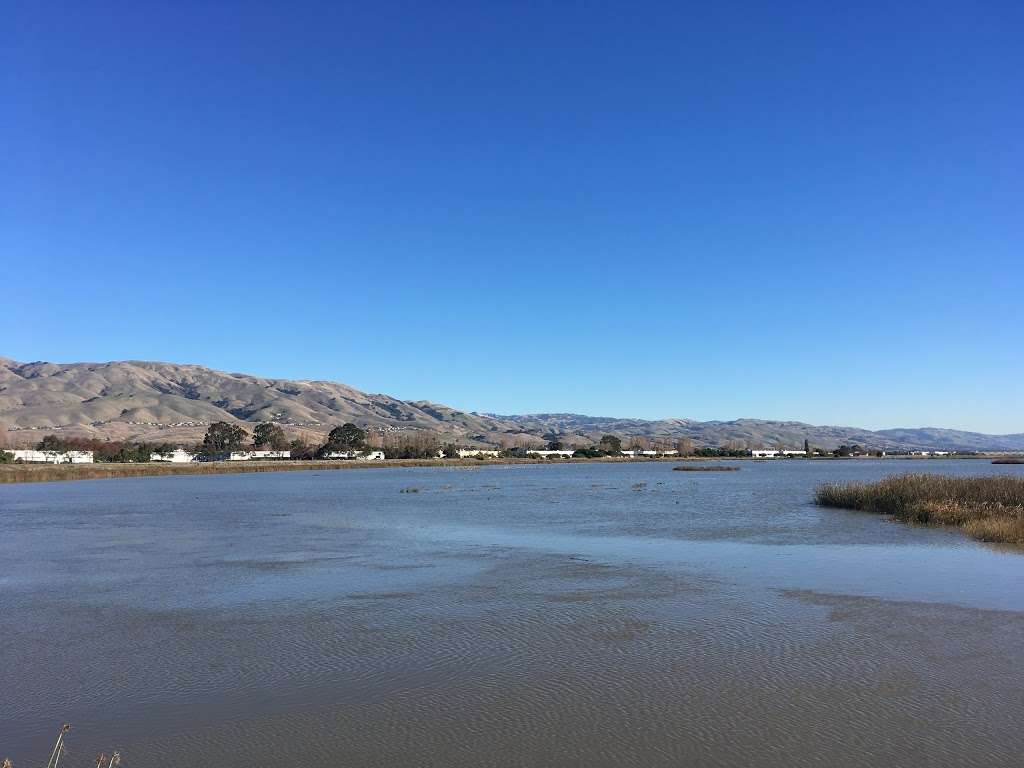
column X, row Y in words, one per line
column 584, row 614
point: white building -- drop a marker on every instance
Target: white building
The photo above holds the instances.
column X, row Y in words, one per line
column 760, row 454
column 633, row 454
column 794, row 453
column 177, row 456
column 256, row 455
column 52, row 457
column 552, row 454
column 356, row 455
column 470, row 453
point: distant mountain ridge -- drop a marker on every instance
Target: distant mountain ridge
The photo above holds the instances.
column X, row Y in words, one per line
column 174, row 402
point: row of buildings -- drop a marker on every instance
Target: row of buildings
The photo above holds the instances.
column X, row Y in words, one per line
column 51, row 457
column 181, row 456
column 480, row 453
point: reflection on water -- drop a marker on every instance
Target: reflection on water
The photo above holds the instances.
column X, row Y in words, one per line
column 603, row 615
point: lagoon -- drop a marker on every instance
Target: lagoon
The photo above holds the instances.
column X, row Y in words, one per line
column 508, row 615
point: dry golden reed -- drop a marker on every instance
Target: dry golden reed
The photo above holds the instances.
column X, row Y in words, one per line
column 987, row 508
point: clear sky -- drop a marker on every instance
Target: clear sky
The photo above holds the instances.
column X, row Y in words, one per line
column 704, row 210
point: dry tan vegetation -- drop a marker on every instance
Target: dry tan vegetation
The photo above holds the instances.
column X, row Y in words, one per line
column 46, row 473
column 987, row 508
column 705, row 468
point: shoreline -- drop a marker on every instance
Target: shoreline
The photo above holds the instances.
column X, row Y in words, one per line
column 49, row 473
column 45, row 473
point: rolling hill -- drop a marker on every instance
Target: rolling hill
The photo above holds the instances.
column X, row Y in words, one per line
column 171, row 402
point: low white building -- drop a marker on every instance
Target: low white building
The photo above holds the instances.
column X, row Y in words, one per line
column 356, row 455
column 773, row 454
column 470, row 453
column 552, row 454
column 177, row 456
column 633, row 454
column 52, row 457
column 257, row 455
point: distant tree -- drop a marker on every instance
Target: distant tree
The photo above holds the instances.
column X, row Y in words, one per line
column 807, row 446
column 726, row 451
column 222, row 436
column 417, row 444
column 685, row 446
column 269, row 435
column 300, row 449
column 51, row 443
column 554, row 445
column 639, row 443
column 610, row 444
column 347, row 437
column 450, row 450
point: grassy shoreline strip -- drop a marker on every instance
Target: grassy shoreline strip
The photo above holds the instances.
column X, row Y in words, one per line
column 705, row 468
column 46, row 473
column 987, row 508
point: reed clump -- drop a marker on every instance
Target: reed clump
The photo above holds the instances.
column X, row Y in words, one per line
column 987, row 508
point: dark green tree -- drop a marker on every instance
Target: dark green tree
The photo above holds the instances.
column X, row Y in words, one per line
column 222, row 436
column 301, row 449
column 347, row 437
column 610, row 444
column 51, row 443
column 268, row 435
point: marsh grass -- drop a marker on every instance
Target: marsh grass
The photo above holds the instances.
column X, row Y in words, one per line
column 705, row 468
column 987, row 508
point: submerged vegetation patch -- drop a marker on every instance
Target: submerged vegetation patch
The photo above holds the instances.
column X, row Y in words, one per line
column 705, row 468
column 987, row 508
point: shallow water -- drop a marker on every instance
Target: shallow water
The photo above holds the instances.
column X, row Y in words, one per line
column 584, row 614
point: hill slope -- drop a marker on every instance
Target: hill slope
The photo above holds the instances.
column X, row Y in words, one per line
column 168, row 402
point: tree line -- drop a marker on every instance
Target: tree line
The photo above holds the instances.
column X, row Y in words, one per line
column 224, row 437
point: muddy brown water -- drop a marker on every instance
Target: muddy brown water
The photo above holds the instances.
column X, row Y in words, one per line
column 579, row 615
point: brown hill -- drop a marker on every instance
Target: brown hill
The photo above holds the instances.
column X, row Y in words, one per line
column 168, row 402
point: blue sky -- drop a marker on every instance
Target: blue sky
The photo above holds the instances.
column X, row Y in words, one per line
column 704, row 210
